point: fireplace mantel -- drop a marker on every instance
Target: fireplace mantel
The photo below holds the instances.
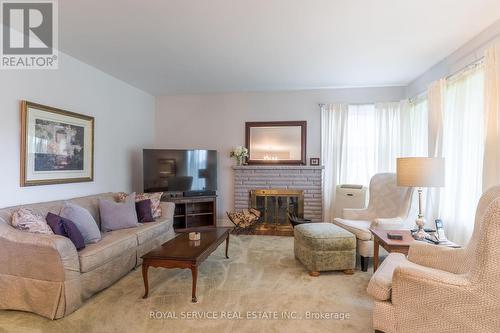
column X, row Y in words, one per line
column 294, row 177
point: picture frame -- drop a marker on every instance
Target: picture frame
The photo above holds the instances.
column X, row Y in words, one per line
column 276, row 142
column 314, row 161
column 57, row 146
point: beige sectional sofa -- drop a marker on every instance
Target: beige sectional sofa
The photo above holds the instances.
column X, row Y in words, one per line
column 45, row 274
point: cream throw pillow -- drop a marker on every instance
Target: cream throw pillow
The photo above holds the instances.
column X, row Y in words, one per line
column 27, row 220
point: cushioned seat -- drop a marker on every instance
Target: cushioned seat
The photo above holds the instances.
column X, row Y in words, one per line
column 380, row 285
column 325, row 237
column 324, row 247
column 148, row 231
column 112, row 245
column 358, row 227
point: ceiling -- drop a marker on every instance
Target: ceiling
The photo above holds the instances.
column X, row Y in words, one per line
column 200, row 46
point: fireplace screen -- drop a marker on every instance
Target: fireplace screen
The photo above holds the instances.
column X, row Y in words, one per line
column 275, row 205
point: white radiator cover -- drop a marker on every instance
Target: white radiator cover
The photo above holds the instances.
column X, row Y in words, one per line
column 349, row 196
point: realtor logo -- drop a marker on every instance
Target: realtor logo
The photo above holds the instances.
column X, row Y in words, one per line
column 29, row 35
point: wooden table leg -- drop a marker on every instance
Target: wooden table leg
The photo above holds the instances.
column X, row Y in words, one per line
column 194, row 274
column 227, row 245
column 145, row 267
column 375, row 254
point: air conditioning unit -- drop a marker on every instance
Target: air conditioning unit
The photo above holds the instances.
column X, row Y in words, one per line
column 349, row 196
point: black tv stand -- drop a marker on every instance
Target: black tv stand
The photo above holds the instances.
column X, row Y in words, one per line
column 201, row 193
column 194, row 212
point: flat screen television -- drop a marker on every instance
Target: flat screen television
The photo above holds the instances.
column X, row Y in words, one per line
column 189, row 172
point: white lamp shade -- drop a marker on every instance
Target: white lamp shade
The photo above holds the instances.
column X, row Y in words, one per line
column 420, row 172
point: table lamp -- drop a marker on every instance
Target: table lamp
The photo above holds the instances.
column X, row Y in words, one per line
column 420, row 172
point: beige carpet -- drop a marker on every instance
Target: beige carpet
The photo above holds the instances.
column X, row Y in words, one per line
column 261, row 275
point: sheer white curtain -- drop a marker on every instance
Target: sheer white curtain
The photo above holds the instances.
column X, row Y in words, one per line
column 491, row 171
column 463, row 150
column 435, row 97
column 333, row 128
column 435, row 101
column 387, row 136
column 414, row 128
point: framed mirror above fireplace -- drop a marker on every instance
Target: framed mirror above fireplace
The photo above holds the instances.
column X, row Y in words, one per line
column 276, row 142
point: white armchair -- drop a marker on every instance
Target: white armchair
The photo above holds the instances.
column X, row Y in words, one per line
column 441, row 289
column 388, row 207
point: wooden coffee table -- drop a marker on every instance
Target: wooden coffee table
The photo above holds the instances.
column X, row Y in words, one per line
column 180, row 252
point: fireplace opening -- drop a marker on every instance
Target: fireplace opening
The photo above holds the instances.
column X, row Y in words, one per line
column 275, row 205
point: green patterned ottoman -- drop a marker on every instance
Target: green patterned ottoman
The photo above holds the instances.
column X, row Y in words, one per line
column 325, row 247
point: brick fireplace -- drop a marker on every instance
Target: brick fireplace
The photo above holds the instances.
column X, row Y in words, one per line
column 306, row 180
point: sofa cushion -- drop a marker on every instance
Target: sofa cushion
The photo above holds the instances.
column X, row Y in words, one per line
column 380, row 285
column 324, row 237
column 147, row 231
column 360, row 228
column 112, row 245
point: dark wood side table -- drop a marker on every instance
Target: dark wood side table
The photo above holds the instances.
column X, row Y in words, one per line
column 180, row 252
column 390, row 245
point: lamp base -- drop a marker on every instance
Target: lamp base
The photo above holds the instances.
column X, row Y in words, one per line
column 420, row 233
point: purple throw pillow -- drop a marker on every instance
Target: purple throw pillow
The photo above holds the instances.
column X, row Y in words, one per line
column 74, row 234
column 143, row 209
column 56, row 224
column 64, row 227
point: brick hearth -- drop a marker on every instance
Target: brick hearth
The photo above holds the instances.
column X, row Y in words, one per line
column 306, row 178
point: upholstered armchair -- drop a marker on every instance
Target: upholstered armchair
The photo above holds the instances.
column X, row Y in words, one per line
column 440, row 289
column 388, row 207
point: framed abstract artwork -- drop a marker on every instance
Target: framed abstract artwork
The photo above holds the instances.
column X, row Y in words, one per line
column 57, row 146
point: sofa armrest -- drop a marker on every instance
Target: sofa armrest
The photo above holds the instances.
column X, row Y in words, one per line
column 357, row 214
column 387, row 222
column 419, row 275
column 37, row 256
column 445, row 258
column 167, row 210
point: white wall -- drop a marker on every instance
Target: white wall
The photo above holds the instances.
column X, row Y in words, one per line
column 217, row 121
column 124, row 118
column 467, row 54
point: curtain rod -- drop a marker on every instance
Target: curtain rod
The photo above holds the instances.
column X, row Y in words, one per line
column 348, row 103
column 473, row 65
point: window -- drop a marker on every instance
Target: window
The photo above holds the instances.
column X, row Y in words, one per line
column 358, row 141
column 359, row 151
column 376, row 134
